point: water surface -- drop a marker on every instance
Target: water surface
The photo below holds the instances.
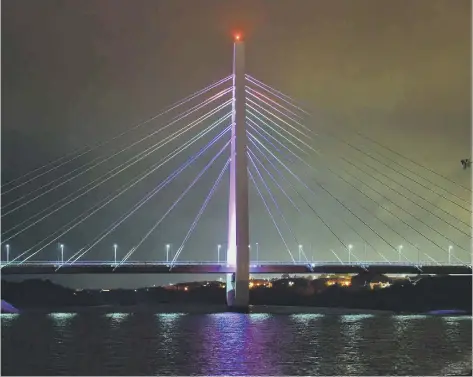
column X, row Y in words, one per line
column 96, row 343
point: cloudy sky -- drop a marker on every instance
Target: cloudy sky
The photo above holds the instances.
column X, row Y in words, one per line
column 78, row 72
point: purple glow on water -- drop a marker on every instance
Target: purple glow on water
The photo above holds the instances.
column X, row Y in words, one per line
column 233, row 343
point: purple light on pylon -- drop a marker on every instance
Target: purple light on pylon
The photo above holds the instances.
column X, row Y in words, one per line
column 231, row 252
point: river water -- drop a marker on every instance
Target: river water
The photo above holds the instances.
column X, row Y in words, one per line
column 144, row 343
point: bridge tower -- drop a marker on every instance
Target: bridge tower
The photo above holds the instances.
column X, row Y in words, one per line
column 238, row 251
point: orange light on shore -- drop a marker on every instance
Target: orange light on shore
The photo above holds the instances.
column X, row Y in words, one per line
column 237, row 37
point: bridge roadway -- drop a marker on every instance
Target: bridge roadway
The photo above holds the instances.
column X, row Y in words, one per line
column 109, row 267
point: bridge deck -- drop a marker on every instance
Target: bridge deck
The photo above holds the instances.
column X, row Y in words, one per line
column 214, row 268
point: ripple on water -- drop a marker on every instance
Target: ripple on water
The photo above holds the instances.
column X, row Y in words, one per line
column 145, row 343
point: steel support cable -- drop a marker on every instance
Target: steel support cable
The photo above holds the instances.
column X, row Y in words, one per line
column 279, row 119
column 289, row 118
column 462, row 262
column 143, row 201
column 271, row 215
column 400, row 173
column 281, row 175
column 112, row 197
column 131, row 212
column 410, row 160
column 278, row 94
column 424, row 178
column 266, row 111
column 351, row 254
column 260, row 101
column 102, row 161
column 273, row 199
column 412, row 179
column 259, row 95
column 336, row 199
column 271, row 89
column 274, row 130
column 387, row 210
column 255, row 129
column 432, row 259
column 191, row 185
column 432, row 213
column 410, row 200
column 359, row 261
column 366, row 209
column 106, row 201
column 311, row 167
column 336, row 256
column 91, row 148
column 275, row 93
column 313, row 210
column 278, row 125
column 274, row 181
column 298, row 193
column 161, row 185
column 200, row 213
column 121, row 169
column 410, row 214
column 147, row 197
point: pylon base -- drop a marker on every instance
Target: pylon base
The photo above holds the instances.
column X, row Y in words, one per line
column 238, row 309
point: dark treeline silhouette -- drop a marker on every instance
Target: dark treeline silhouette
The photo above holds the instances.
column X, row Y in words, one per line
column 429, row 293
column 426, row 294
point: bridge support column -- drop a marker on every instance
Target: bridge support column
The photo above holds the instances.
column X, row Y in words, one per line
column 238, row 252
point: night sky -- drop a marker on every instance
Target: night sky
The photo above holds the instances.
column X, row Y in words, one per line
column 78, row 72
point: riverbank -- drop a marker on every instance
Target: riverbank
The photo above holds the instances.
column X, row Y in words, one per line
column 203, row 309
column 423, row 295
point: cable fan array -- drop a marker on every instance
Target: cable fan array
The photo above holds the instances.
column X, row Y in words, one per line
column 205, row 117
column 390, row 206
column 347, row 192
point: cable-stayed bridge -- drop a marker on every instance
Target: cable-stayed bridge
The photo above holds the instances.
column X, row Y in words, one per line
column 321, row 201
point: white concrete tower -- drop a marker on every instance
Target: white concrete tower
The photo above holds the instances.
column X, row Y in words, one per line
column 238, row 252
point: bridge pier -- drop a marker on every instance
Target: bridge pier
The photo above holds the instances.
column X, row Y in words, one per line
column 238, row 252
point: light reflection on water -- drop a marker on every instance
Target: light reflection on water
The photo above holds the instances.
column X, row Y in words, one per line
column 143, row 343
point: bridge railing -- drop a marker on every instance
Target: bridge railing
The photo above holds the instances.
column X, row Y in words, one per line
column 213, row 263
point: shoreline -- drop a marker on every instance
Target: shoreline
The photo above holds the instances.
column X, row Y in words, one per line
column 215, row 309
column 428, row 296
column 200, row 309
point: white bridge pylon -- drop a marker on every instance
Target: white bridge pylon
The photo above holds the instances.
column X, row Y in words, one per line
column 238, row 252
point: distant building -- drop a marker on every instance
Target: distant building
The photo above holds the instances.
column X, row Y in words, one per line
column 370, row 281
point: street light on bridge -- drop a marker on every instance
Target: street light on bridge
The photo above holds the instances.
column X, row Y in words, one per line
column 450, row 248
column 61, row 246
column 218, row 253
column 300, row 253
column 257, row 252
column 399, row 253
column 168, row 246
column 350, row 246
column 7, row 247
column 115, row 246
